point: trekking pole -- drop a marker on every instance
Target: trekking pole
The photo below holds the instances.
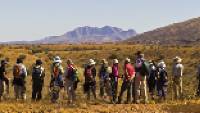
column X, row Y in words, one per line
column 171, row 88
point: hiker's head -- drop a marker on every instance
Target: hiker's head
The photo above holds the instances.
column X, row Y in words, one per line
column 70, row 62
column 19, row 60
column 115, row 61
column 57, row 59
column 104, row 62
column 177, row 59
column 3, row 62
column 38, row 62
column 127, row 60
column 91, row 62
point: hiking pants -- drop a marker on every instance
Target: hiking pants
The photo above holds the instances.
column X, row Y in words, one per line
column 152, row 86
column 126, row 85
column 140, row 87
column 162, row 89
column 177, row 87
column 91, row 87
column 37, row 91
column 1, row 88
column 20, row 92
column 70, row 91
column 105, row 86
column 114, row 84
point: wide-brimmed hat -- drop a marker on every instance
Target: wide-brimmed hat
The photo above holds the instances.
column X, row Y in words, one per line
column 104, row 61
column 38, row 62
column 115, row 61
column 91, row 62
column 57, row 59
column 127, row 60
column 69, row 61
column 177, row 59
column 162, row 64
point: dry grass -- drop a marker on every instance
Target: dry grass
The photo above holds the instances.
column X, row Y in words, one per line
column 80, row 54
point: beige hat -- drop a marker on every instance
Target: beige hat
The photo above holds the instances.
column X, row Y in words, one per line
column 104, row 61
column 91, row 62
column 128, row 60
column 57, row 59
column 115, row 61
column 177, row 59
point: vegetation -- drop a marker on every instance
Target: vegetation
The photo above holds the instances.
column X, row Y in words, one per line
column 80, row 55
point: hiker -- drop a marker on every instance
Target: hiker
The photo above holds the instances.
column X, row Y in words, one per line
column 140, row 79
column 90, row 82
column 56, row 84
column 152, row 79
column 162, row 81
column 198, row 78
column 70, row 80
column 19, row 82
column 114, row 79
column 104, row 78
column 177, row 73
column 129, row 74
column 38, row 74
column 3, row 78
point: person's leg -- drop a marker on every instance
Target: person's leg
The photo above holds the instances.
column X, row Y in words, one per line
column 23, row 92
column 16, row 91
column 93, row 89
column 101, row 87
column 123, row 89
column 144, row 89
column 181, row 87
column 34, row 91
column 39, row 92
column 137, row 87
column 129, row 92
column 7, row 85
column 198, row 89
column 175, row 89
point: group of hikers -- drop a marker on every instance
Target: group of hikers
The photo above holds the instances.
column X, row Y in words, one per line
column 136, row 78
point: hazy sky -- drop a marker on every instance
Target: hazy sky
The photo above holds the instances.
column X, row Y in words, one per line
column 35, row 19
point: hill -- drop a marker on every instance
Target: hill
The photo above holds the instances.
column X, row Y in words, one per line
column 178, row 33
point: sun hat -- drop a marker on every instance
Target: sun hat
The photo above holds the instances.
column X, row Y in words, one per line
column 177, row 59
column 91, row 62
column 104, row 61
column 115, row 61
column 128, row 60
column 57, row 59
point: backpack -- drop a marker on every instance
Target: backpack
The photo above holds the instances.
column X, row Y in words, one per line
column 56, row 71
column 71, row 72
column 16, row 71
column 88, row 72
column 138, row 64
column 37, row 73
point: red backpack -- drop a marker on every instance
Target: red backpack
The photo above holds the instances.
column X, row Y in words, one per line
column 88, row 72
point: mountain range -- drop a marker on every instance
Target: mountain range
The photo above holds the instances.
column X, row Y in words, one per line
column 187, row 32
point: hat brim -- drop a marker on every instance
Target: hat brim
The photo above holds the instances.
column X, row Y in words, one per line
column 57, row 61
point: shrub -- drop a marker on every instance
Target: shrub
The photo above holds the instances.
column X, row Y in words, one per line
column 22, row 56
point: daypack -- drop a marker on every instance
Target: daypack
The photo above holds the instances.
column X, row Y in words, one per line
column 71, row 73
column 142, row 67
column 16, row 71
column 56, row 71
column 88, row 72
column 37, row 73
column 163, row 76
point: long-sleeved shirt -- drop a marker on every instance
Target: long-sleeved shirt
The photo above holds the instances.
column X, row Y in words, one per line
column 177, row 70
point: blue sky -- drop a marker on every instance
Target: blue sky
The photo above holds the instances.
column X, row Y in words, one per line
column 36, row 19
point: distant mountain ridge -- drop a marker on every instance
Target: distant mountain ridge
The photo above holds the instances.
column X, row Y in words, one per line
column 90, row 34
column 187, row 32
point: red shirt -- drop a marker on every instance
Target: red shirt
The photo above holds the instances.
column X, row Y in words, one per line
column 130, row 70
